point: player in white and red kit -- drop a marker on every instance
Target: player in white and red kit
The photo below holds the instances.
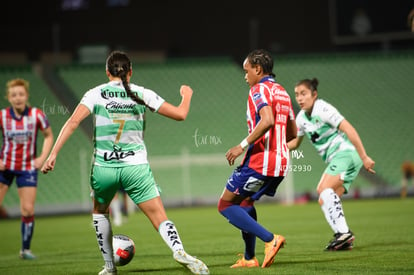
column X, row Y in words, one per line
column 271, row 123
column 20, row 124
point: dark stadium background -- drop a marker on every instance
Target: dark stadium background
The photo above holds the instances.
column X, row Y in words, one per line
column 200, row 28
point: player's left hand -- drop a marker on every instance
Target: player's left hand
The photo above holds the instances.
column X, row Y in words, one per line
column 38, row 163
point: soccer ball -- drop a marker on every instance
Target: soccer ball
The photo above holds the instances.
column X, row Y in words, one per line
column 124, row 249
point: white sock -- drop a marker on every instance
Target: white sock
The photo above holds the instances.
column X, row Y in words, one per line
column 103, row 230
column 327, row 214
column 332, row 208
column 170, row 235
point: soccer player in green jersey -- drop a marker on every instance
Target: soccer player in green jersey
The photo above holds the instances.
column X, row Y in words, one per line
column 340, row 146
column 120, row 156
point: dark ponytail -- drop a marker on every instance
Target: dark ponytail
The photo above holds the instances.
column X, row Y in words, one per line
column 311, row 84
column 119, row 65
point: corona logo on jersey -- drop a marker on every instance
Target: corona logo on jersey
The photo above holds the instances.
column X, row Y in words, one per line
column 107, row 94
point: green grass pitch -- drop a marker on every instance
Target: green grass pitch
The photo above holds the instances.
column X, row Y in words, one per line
column 383, row 227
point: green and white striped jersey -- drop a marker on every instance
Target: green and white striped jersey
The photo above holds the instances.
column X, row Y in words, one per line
column 321, row 127
column 119, row 123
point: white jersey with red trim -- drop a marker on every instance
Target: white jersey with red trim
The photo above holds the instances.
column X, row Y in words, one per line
column 269, row 155
column 19, row 137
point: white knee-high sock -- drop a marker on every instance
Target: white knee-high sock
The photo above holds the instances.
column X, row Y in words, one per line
column 332, row 208
column 325, row 210
column 170, row 235
column 103, row 231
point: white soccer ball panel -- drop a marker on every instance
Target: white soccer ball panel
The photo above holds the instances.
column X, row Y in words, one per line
column 124, row 249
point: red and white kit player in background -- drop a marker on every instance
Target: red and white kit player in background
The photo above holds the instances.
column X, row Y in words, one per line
column 271, row 123
column 20, row 124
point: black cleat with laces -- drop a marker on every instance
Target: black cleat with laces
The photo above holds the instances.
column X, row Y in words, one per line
column 341, row 241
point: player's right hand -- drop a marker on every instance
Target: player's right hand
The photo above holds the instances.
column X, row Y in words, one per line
column 186, row 91
column 233, row 153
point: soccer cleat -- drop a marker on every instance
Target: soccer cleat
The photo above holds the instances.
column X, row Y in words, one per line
column 341, row 241
column 271, row 249
column 195, row 265
column 346, row 246
column 26, row 254
column 242, row 262
column 106, row 271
